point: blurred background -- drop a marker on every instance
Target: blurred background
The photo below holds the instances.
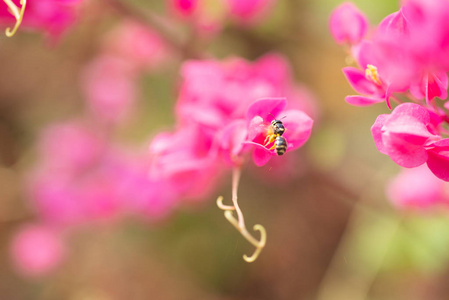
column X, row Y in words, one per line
column 332, row 232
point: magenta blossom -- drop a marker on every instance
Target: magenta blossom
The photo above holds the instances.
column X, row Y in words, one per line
column 417, row 188
column 138, row 45
column 187, row 161
column 248, row 11
column 298, row 127
column 385, row 68
column 84, row 178
column 109, row 84
column 409, row 136
column 71, row 147
column 205, row 17
column 184, row 8
column 371, row 90
column 232, row 86
column 408, row 51
column 37, row 250
column 348, row 24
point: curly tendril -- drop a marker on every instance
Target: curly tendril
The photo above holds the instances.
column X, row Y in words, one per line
column 18, row 14
column 239, row 223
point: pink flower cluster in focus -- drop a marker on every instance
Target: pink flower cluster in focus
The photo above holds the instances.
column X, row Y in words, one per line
column 403, row 59
column 225, row 101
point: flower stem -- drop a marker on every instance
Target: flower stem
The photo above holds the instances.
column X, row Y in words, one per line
column 239, row 223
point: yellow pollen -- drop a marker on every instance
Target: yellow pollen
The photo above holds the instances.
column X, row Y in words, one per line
column 372, row 74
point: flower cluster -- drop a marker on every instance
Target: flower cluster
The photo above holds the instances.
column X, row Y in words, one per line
column 404, row 59
column 223, row 99
column 85, row 176
column 223, row 114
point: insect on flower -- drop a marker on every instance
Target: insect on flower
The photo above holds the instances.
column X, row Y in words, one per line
column 277, row 129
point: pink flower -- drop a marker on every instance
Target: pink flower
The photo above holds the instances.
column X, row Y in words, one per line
column 138, row 45
column 372, row 92
column 82, row 178
column 232, row 85
column 207, row 18
column 417, row 28
column 438, row 159
column 407, row 52
column 37, row 250
column 135, row 192
column 117, row 185
column 417, row 188
column 387, row 69
column 71, row 199
column 232, row 140
column 71, row 146
column 52, row 16
column 184, row 8
column 187, row 161
column 409, row 136
column 298, row 127
column 247, row 11
column 348, row 24
column 109, row 84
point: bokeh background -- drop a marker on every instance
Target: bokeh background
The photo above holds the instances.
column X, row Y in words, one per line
column 332, row 232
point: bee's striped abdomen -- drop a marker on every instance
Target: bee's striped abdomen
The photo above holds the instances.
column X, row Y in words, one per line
column 280, row 145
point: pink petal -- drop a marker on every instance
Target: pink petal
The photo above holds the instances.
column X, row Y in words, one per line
column 444, row 143
column 233, row 136
column 404, row 154
column 395, row 23
column 348, row 24
column 437, row 85
column 438, row 163
column 405, row 133
column 376, row 131
column 430, row 85
column 359, row 83
column 298, row 127
column 256, row 127
column 261, row 155
column 409, row 120
column 363, row 101
column 265, row 107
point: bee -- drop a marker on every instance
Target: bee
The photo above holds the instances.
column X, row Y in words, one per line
column 280, row 145
column 277, row 130
column 278, row 127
